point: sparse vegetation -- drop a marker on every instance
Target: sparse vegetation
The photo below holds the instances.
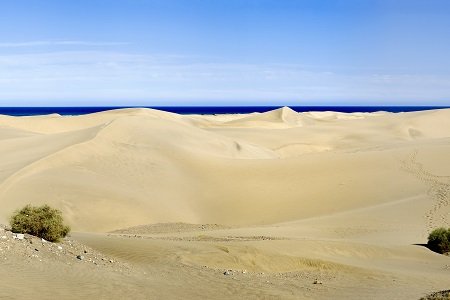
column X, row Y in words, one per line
column 439, row 240
column 41, row 221
column 442, row 295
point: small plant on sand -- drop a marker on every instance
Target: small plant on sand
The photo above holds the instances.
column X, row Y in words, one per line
column 442, row 295
column 41, row 221
column 439, row 240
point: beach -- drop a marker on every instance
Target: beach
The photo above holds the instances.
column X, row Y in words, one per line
column 274, row 205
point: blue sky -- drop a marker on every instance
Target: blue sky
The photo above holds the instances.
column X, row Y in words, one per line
column 224, row 52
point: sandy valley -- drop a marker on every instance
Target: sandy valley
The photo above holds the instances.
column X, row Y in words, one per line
column 276, row 205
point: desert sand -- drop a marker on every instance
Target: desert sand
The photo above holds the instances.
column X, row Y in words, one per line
column 276, row 205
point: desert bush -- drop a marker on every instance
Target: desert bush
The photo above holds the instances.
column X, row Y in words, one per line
column 41, row 221
column 442, row 295
column 439, row 240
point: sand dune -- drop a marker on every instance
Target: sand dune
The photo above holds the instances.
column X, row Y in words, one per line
column 297, row 196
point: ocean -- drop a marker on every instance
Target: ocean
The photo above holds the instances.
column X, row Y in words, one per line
column 185, row 110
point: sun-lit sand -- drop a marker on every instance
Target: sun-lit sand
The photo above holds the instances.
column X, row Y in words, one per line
column 278, row 201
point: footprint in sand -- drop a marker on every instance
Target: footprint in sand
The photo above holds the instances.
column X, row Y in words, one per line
column 439, row 190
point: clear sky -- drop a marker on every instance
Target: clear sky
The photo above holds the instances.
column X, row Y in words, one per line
column 224, row 52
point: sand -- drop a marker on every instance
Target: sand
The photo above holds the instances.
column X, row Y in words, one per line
column 318, row 205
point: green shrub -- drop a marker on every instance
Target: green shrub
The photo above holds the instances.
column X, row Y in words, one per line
column 439, row 240
column 41, row 221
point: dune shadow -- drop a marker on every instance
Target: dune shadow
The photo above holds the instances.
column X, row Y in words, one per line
column 426, row 246
column 431, row 249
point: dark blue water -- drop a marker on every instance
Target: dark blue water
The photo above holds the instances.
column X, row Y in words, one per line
column 32, row 111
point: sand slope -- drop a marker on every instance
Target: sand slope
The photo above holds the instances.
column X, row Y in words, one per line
column 149, row 166
column 321, row 194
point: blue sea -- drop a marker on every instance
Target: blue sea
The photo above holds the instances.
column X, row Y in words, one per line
column 185, row 110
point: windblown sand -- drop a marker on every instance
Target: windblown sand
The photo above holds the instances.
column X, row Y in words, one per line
column 276, row 205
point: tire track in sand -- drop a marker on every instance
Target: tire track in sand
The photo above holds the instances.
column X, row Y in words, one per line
column 439, row 191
